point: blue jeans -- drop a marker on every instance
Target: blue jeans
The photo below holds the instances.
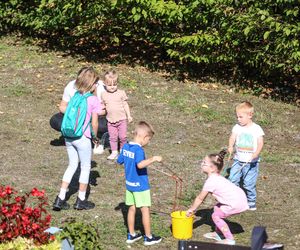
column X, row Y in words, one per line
column 246, row 178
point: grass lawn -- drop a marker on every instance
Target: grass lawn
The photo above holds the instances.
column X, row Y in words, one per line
column 191, row 120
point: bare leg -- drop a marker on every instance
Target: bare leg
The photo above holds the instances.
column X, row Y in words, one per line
column 146, row 220
column 131, row 219
column 82, row 187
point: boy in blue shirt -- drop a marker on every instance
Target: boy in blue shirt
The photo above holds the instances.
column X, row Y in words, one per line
column 138, row 195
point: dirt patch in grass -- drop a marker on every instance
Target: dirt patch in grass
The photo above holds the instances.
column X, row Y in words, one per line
column 190, row 120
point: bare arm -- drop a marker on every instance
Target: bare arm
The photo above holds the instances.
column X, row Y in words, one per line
column 197, row 202
column 260, row 144
column 149, row 161
column 231, row 143
column 127, row 111
column 95, row 123
column 63, row 106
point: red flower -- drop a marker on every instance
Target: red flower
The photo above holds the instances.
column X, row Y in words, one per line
column 36, row 192
column 9, row 235
column 36, row 212
column 18, row 199
column 3, row 225
column 35, row 226
column 18, row 218
column 8, row 190
column 28, row 210
column 25, row 220
column 4, row 210
column 48, row 218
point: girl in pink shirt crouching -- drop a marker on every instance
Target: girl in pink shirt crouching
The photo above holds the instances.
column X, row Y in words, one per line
column 231, row 199
column 118, row 112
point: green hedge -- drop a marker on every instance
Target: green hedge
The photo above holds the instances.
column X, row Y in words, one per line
column 263, row 35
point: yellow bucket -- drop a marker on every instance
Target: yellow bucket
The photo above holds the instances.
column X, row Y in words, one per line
column 182, row 226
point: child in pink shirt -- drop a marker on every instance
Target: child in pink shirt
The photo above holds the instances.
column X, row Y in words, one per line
column 118, row 112
column 231, row 199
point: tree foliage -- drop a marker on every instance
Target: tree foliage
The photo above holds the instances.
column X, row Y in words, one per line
column 263, row 35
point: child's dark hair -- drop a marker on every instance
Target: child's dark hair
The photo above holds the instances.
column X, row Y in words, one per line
column 218, row 159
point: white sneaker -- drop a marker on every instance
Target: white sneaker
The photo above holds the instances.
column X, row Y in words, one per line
column 113, row 155
column 98, row 150
column 226, row 242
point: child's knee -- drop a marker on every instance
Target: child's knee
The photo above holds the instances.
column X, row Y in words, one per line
column 123, row 139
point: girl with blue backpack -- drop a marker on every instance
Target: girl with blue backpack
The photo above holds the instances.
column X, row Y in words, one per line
column 80, row 124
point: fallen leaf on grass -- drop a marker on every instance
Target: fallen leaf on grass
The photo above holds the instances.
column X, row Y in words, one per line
column 1, row 112
column 50, row 90
column 38, row 75
column 148, row 96
column 204, row 106
column 222, row 102
column 264, row 177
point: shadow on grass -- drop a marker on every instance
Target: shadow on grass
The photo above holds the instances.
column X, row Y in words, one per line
column 206, row 219
column 138, row 217
column 155, row 58
column 74, row 185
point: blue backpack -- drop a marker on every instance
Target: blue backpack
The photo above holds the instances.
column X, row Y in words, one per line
column 74, row 117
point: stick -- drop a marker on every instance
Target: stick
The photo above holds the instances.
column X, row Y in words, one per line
column 227, row 165
column 178, row 181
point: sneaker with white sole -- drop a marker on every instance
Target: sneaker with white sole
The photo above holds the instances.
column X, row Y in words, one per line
column 98, row 150
column 212, row 236
column 252, row 208
column 113, row 155
column 226, row 242
column 151, row 241
column 133, row 238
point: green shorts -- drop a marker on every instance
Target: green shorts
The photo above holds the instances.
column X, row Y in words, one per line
column 139, row 199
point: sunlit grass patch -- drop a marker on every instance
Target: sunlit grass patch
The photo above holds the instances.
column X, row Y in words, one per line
column 16, row 88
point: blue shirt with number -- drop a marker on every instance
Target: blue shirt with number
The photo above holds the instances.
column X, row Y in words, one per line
column 136, row 179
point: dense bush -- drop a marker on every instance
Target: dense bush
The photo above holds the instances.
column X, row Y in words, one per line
column 248, row 34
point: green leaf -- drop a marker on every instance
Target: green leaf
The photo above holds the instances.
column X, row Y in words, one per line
column 133, row 11
column 287, row 31
column 266, row 35
column 136, row 17
column 247, row 30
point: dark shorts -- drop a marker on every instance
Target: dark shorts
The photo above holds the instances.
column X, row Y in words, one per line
column 56, row 121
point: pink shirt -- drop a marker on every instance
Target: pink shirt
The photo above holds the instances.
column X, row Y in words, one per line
column 232, row 198
column 94, row 106
column 114, row 105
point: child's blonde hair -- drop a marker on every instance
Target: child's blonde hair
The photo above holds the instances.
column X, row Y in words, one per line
column 245, row 107
column 144, row 127
column 86, row 78
column 111, row 76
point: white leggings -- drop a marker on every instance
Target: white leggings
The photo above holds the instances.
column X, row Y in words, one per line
column 80, row 149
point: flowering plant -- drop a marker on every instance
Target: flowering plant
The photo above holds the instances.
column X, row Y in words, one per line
column 23, row 215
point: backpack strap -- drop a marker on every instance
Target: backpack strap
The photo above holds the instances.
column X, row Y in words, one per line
column 87, row 95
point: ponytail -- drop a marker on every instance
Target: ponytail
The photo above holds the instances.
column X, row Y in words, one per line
column 218, row 159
